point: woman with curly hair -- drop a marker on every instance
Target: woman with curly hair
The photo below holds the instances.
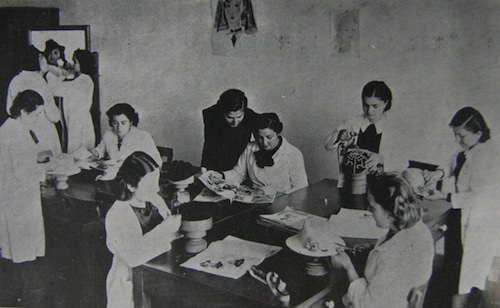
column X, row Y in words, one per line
column 402, row 259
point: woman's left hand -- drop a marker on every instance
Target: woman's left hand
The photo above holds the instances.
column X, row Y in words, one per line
column 375, row 163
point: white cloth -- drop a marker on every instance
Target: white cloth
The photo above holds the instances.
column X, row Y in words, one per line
column 77, row 99
column 131, row 248
column 135, row 140
column 44, row 128
column 477, row 195
column 22, row 235
column 395, row 158
column 393, row 268
column 246, row 45
column 287, row 175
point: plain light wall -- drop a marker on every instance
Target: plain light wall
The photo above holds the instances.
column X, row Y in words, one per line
column 436, row 56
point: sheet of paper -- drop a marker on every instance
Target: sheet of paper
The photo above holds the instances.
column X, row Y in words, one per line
column 232, row 257
column 355, row 224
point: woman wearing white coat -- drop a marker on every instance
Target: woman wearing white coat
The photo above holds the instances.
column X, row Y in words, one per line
column 139, row 225
column 77, row 99
column 476, row 195
column 373, row 131
column 34, row 66
column 22, row 233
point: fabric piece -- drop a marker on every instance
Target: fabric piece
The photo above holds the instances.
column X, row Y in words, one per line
column 148, row 217
column 369, row 139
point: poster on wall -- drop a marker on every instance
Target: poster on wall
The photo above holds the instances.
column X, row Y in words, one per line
column 345, row 32
column 234, row 29
column 60, row 42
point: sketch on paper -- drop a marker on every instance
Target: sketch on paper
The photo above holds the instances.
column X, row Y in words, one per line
column 345, row 34
column 234, row 26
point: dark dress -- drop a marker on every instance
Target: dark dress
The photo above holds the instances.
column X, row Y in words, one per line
column 224, row 144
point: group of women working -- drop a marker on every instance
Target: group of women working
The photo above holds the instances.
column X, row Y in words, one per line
column 245, row 146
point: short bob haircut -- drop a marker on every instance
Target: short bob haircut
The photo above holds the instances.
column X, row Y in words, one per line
column 232, row 100
column 473, row 121
column 379, row 90
column 30, row 59
column 133, row 169
column 268, row 120
column 27, row 100
column 395, row 194
column 86, row 61
column 125, row 109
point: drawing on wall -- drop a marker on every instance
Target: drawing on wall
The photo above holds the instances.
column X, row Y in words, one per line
column 345, row 37
column 234, row 26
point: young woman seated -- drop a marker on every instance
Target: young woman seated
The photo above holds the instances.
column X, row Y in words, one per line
column 402, row 259
column 139, row 225
column 270, row 162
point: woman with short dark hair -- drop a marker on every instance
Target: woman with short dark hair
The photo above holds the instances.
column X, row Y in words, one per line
column 228, row 127
column 270, row 162
column 124, row 137
column 474, row 223
column 402, row 259
column 139, row 225
column 22, row 231
column 372, row 131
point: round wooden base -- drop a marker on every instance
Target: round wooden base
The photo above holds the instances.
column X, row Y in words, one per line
column 316, row 267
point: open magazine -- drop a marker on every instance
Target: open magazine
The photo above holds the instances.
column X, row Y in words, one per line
column 217, row 190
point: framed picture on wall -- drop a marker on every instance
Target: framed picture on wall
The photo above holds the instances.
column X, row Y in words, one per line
column 70, row 38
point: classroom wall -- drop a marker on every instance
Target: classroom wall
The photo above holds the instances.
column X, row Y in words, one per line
column 436, row 56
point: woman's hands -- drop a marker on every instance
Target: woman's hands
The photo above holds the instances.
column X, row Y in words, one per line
column 375, row 163
column 343, row 261
column 172, row 223
column 346, row 135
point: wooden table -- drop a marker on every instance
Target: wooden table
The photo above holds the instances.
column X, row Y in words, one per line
column 162, row 282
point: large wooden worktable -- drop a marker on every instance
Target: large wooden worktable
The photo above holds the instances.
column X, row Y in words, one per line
column 163, row 283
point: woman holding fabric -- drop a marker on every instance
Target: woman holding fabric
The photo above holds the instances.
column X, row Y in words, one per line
column 125, row 138
column 139, row 225
column 372, row 131
column 33, row 67
column 475, row 194
column 270, row 162
column 402, row 259
column 22, row 232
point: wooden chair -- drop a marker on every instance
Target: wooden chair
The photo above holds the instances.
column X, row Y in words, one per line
column 416, row 297
column 81, row 211
column 167, row 155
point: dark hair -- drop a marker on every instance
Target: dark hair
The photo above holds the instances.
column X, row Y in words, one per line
column 133, row 169
column 395, row 194
column 379, row 90
column 269, row 120
column 473, row 121
column 27, row 100
column 86, row 61
column 232, row 100
column 247, row 17
column 125, row 109
column 51, row 45
column 30, row 59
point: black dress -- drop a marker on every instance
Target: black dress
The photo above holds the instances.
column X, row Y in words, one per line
column 224, row 144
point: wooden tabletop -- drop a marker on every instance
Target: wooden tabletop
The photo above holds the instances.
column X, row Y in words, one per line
column 163, row 282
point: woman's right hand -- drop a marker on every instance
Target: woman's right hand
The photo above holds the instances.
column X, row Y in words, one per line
column 172, row 223
column 95, row 155
column 431, row 177
column 346, row 135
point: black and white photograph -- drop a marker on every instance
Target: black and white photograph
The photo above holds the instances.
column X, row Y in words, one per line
column 153, row 153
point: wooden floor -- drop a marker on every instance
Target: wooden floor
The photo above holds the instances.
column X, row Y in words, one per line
column 69, row 284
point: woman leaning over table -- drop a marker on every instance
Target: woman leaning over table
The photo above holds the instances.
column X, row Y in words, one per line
column 124, row 137
column 139, row 225
column 400, row 260
column 270, row 161
column 374, row 131
column 22, row 232
column 475, row 193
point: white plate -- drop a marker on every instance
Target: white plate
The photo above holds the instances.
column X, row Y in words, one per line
column 294, row 244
